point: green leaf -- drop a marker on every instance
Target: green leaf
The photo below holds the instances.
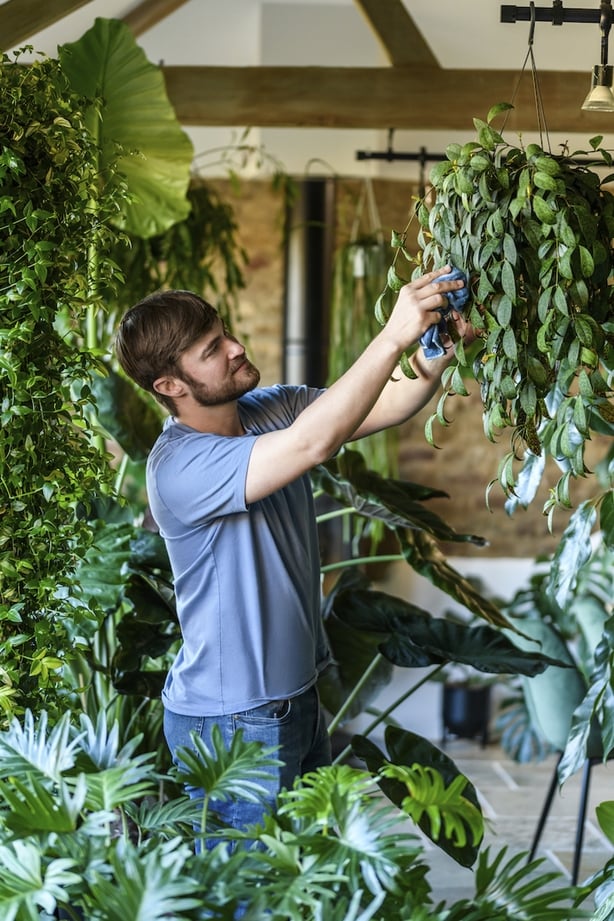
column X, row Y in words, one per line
column 508, row 280
column 394, row 281
column 424, row 556
column 398, row 503
column 449, row 814
column 156, row 154
column 573, row 551
column 504, row 310
column 587, row 264
column 605, row 816
column 497, row 109
column 544, row 180
column 606, row 518
column 407, row 749
column 544, row 212
column 552, row 695
column 509, row 344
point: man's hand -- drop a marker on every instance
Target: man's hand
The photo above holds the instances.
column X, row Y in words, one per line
column 418, row 306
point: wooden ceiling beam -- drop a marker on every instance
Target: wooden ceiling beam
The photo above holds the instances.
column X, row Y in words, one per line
column 392, row 97
column 21, row 19
column 398, row 34
column 148, row 13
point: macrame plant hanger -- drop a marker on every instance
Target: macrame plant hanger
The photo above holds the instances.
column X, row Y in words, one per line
column 544, row 137
column 374, row 224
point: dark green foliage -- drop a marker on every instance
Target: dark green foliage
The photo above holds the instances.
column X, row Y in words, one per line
column 532, row 230
column 53, row 218
column 200, row 253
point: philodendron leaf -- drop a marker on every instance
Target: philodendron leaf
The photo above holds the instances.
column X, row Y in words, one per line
column 551, row 696
column 411, row 638
column 398, row 503
column 407, row 748
column 134, row 116
column 423, row 555
column 353, row 652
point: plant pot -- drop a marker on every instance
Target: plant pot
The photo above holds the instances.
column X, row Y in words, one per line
column 466, row 711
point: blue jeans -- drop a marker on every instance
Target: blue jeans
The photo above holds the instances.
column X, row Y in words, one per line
column 296, row 727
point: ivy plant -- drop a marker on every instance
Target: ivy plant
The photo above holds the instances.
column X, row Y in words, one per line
column 53, row 216
column 532, row 229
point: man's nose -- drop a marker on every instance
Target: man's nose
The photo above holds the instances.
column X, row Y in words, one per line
column 235, row 347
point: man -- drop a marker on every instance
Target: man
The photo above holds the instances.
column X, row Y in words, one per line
column 228, row 486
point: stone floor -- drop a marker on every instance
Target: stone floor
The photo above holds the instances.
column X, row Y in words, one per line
column 512, row 796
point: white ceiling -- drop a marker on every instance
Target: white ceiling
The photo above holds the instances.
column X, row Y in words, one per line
column 461, row 33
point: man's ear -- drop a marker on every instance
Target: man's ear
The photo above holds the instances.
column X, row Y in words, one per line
column 169, row 387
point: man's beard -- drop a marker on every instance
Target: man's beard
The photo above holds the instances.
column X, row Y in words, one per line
column 232, row 389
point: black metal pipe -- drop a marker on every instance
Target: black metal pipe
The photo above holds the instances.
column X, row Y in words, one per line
column 556, row 14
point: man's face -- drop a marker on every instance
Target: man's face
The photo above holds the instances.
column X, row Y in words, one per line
column 216, row 368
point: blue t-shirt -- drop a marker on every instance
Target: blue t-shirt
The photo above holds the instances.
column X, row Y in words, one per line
column 247, row 579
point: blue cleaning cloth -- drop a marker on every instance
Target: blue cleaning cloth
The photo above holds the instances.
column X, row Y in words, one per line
column 431, row 339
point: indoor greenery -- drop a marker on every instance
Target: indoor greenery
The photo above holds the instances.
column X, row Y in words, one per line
column 67, row 125
column 57, row 625
column 55, row 210
column 570, row 710
column 532, row 229
column 85, row 833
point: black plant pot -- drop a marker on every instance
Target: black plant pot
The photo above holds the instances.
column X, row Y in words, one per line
column 466, row 711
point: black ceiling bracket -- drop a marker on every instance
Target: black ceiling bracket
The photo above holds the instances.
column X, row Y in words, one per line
column 557, row 14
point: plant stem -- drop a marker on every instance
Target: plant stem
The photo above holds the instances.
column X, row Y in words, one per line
column 359, row 560
column 337, row 513
column 355, row 692
column 121, row 473
column 385, row 713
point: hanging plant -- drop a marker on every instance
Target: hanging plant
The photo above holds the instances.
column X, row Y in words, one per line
column 532, row 230
column 359, row 272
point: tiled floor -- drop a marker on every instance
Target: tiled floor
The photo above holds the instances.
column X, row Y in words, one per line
column 512, row 796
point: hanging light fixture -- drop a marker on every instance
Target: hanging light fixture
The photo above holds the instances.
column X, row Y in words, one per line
column 600, row 97
column 601, row 94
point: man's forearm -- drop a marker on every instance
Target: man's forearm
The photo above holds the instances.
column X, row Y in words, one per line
column 403, row 397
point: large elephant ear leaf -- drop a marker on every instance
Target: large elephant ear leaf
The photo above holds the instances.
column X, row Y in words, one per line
column 134, row 116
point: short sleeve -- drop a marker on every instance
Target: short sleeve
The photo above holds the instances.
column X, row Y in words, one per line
column 199, row 479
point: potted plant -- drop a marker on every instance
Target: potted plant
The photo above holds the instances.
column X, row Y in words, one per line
column 466, row 704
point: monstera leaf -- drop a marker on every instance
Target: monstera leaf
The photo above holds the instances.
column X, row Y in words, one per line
column 132, row 116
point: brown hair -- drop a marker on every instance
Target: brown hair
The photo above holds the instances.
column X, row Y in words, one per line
column 154, row 333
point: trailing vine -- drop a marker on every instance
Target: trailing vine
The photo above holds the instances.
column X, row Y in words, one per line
column 532, row 230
